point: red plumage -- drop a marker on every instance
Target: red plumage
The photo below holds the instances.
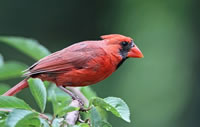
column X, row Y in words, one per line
column 83, row 63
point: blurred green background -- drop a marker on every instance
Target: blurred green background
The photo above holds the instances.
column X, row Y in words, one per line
column 162, row 89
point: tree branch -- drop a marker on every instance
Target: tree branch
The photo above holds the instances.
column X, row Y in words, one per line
column 73, row 116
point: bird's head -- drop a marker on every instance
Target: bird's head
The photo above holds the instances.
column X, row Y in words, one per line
column 124, row 45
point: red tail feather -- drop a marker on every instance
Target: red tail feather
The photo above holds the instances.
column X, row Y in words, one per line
column 23, row 84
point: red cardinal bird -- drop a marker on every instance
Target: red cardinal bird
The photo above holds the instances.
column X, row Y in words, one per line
column 82, row 64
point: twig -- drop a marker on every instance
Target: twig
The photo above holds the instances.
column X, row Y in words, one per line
column 73, row 116
column 44, row 116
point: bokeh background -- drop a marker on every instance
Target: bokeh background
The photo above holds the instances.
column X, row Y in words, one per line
column 162, row 89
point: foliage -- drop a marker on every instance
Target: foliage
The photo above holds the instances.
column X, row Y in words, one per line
column 17, row 113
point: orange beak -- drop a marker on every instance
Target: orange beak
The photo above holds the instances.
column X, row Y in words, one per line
column 135, row 52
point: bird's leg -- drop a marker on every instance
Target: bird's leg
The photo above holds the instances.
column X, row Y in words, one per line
column 74, row 97
column 85, row 121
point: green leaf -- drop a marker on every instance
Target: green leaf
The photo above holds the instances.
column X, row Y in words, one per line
column 11, row 69
column 3, row 116
column 60, row 94
column 88, row 92
column 31, row 120
column 44, row 123
column 28, row 46
column 1, row 60
column 81, row 125
column 2, row 123
column 120, row 106
column 95, row 117
column 58, row 98
column 66, row 109
column 56, row 123
column 105, row 124
column 13, row 102
column 58, row 103
column 38, row 91
column 97, row 120
column 3, row 88
column 102, row 112
column 115, row 105
column 22, row 118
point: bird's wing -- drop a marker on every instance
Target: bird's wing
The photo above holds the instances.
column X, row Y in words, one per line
column 74, row 57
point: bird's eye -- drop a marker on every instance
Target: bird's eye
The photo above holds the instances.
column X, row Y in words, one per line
column 124, row 43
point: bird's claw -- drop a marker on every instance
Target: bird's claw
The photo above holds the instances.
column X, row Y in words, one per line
column 84, row 109
column 85, row 121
